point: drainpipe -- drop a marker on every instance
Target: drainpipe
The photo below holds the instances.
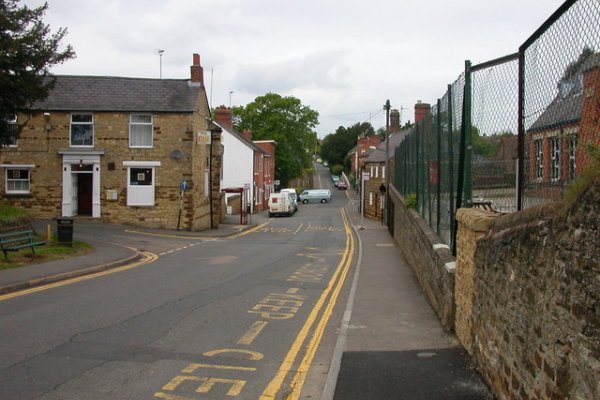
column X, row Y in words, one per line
column 213, row 132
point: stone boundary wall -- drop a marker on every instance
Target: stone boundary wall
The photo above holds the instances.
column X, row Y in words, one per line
column 528, row 298
column 430, row 259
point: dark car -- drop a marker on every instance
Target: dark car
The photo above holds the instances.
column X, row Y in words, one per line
column 341, row 185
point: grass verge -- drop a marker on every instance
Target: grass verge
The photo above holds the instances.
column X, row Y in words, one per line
column 52, row 250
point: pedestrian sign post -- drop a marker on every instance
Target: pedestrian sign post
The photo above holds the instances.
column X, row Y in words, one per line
column 365, row 177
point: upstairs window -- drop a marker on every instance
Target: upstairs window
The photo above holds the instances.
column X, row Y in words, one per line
column 82, row 130
column 141, row 130
column 13, row 130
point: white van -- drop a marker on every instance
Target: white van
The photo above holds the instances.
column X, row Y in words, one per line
column 315, row 196
column 280, row 204
column 293, row 196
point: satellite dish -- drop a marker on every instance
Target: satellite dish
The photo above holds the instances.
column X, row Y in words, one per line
column 176, row 154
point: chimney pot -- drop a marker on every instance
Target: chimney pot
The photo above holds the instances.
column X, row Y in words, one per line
column 223, row 116
column 421, row 109
column 196, row 71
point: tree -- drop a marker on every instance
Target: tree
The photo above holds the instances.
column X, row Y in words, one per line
column 27, row 51
column 289, row 123
column 336, row 146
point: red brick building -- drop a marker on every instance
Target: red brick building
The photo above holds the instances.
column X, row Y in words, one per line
column 554, row 141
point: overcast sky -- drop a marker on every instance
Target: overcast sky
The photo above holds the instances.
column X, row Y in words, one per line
column 343, row 59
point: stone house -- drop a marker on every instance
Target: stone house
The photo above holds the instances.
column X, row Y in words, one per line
column 124, row 150
column 374, row 165
column 554, row 155
column 247, row 164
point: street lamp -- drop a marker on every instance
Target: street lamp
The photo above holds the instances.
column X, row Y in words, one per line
column 160, row 53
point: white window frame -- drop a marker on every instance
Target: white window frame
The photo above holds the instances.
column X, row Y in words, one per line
column 572, row 156
column 13, row 167
column 138, row 124
column 555, row 167
column 73, row 124
column 539, row 158
column 141, row 195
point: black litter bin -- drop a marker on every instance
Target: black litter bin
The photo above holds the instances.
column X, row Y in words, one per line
column 64, row 228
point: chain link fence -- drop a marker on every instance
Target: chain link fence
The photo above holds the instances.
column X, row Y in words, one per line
column 427, row 162
column 508, row 133
column 494, row 129
column 560, row 75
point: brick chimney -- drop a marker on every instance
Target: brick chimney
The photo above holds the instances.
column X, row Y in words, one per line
column 223, row 117
column 394, row 121
column 196, row 71
column 421, row 109
column 247, row 134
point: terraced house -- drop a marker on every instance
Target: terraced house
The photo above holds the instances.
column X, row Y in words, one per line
column 127, row 150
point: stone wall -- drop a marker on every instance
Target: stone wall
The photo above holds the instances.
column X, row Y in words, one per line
column 528, row 298
column 430, row 259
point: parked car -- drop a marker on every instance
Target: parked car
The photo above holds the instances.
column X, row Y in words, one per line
column 280, row 204
column 293, row 196
column 325, row 164
column 341, row 185
column 315, row 196
column 335, row 179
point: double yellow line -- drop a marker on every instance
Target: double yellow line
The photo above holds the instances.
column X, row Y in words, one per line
column 322, row 310
column 147, row 258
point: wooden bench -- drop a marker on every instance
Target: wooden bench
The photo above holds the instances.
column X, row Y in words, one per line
column 13, row 241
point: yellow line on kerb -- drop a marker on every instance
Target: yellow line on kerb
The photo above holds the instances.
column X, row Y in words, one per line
column 334, row 286
column 300, row 376
column 148, row 258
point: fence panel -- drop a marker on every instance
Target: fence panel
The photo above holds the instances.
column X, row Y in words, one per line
column 508, row 133
column 560, row 89
column 494, row 119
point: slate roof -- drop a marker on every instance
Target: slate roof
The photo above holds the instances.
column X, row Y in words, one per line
column 566, row 107
column 107, row 93
column 242, row 139
column 378, row 155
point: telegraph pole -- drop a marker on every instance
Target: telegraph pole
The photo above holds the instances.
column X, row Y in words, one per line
column 386, row 107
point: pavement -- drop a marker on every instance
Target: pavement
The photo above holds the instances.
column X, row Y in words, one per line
column 391, row 344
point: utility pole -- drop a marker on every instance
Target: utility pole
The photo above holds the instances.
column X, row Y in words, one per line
column 387, row 107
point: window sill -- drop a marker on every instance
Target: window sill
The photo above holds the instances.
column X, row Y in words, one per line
column 18, row 195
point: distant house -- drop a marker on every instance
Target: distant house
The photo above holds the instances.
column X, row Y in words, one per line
column 374, row 165
column 246, row 164
column 572, row 118
column 127, row 150
column 363, row 149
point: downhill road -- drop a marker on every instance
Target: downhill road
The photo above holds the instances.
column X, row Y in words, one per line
column 241, row 316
